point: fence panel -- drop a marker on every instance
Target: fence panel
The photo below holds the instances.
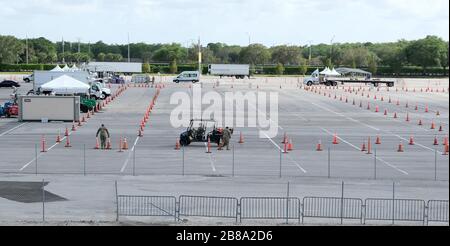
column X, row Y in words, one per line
column 146, row 205
column 438, row 210
column 403, row 210
column 207, row 206
column 330, row 207
column 270, row 208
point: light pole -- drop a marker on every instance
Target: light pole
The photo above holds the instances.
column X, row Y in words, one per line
column 310, row 52
column 128, row 47
column 249, row 38
column 26, row 40
column 331, row 50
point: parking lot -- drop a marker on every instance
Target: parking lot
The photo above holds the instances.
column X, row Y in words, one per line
column 348, row 115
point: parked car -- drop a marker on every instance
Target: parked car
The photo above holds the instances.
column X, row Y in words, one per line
column 28, row 78
column 9, row 83
column 187, row 76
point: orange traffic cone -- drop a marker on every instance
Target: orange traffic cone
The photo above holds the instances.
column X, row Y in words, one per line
column 120, row 144
column 435, row 141
column 67, row 143
column 378, row 140
column 125, row 144
column 440, row 128
column 88, row 115
column 363, row 148
column 97, row 145
column 377, row 109
column 426, row 109
column 445, row 150
column 108, row 144
column 411, row 140
column 43, row 149
column 83, row 119
column 420, row 123
column 400, row 147
column 140, row 134
column 407, row 117
column 290, row 145
column 79, row 123
column 335, row 139
column 241, row 138
column 73, row 127
column 319, row 146
column 66, row 132
column 208, row 150
column 445, row 142
column 395, row 115
column 177, row 144
column 385, row 112
column 433, row 126
column 416, row 108
column 437, row 113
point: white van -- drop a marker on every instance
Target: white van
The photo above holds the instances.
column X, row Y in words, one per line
column 187, row 76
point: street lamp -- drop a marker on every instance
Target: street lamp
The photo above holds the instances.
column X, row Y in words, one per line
column 331, row 52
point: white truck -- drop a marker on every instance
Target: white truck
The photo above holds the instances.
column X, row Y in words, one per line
column 42, row 77
column 127, row 68
column 230, row 70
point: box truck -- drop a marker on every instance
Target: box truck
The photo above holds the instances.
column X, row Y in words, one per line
column 229, row 70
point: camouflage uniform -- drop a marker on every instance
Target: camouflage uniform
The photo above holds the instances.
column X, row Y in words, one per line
column 104, row 135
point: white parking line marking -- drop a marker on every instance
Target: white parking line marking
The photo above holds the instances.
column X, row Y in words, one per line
column 210, row 158
column 42, row 153
column 290, row 158
column 12, row 129
column 129, row 154
column 378, row 158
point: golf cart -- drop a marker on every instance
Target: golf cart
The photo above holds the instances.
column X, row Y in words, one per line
column 200, row 131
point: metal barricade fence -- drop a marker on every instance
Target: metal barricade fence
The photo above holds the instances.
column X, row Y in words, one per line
column 437, row 211
column 208, row 206
column 398, row 209
column 270, row 208
column 146, row 205
column 332, row 207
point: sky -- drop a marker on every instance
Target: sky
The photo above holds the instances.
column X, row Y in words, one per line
column 269, row 22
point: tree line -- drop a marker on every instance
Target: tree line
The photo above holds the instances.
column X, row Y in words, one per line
column 431, row 51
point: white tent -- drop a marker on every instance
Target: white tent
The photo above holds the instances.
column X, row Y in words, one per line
column 334, row 72
column 66, row 68
column 74, row 68
column 65, row 85
column 315, row 73
column 57, row 69
column 326, row 71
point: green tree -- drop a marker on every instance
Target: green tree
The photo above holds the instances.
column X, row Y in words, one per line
column 254, row 54
column 101, row 56
column 303, row 66
column 279, row 69
column 373, row 66
column 426, row 52
column 173, row 66
column 10, row 49
column 287, row 55
column 146, row 68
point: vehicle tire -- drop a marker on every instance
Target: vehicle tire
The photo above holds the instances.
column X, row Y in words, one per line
column 176, row 81
column 184, row 141
column 375, row 84
column 335, row 83
column 27, row 80
column 328, row 83
column 309, row 83
column 390, row 84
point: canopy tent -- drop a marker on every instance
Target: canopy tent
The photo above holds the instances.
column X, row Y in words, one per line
column 57, row 69
column 334, row 73
column 74, row 68
column 326, row 71
column 66, row 68
column 65, row 85
column 345, row 70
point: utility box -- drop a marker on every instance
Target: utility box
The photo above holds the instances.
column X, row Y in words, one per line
column 51, row 108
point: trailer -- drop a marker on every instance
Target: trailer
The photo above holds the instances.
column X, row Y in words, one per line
column 239, row 71
column 42, row 77
column 114, row 67
column 344, row 75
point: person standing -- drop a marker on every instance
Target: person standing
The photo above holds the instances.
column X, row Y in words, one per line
column 226, row 135
column 104, row 135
